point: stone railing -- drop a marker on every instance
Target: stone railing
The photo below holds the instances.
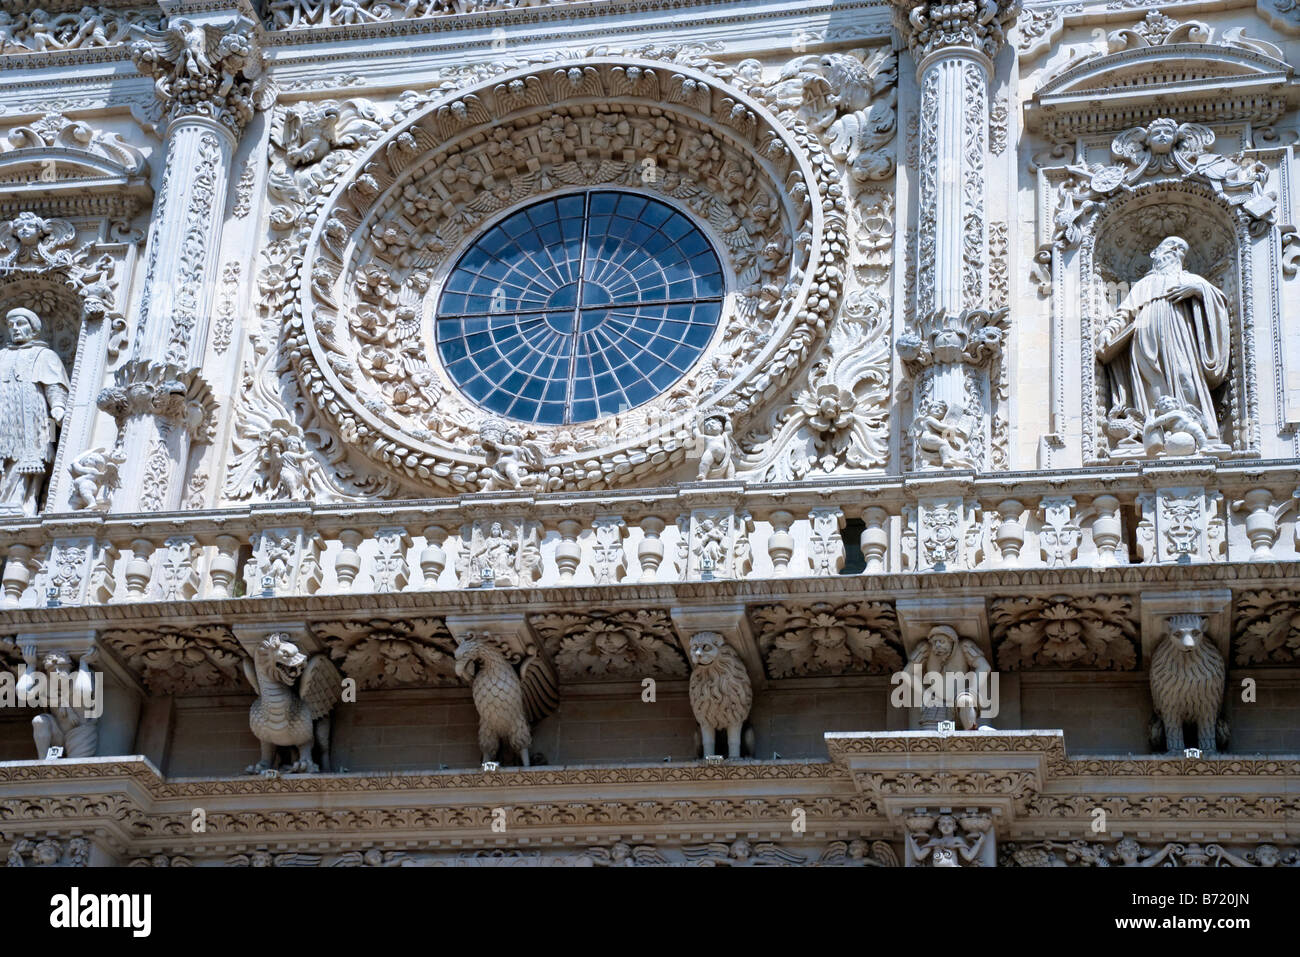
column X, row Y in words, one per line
column 305, row 14
column 1185, row 513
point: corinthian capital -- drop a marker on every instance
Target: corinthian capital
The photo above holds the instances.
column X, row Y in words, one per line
column 930, row 26
column 208, row 69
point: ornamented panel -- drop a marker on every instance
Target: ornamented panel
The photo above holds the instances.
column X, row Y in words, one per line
column 828, row 639
column 617, row 644
column 1065, row 631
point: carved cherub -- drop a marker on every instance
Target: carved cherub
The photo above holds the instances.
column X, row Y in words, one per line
column 1182, row 431
column 943, row 436
column 94, row 477
column 510, row 459
column 717, row 456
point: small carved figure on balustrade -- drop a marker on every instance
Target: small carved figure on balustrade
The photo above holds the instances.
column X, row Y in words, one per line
column 94, row 477
column 716, row 448
column 33, row 397
column 510, row 461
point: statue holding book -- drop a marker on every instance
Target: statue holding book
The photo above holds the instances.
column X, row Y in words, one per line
column 1165, row 349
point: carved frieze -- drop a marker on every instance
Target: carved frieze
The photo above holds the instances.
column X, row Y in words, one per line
column 399, row 653
column 176, row 660
column 615, row 644
column 823, row 638
column 1065, row 631
column 1267, row 629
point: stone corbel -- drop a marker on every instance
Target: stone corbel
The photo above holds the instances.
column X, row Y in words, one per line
column 250, row 637
column 908, row 773
column 732, row 623
column 968, row 616
column 1215, row 605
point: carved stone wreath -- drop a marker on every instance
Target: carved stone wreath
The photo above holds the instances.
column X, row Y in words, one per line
column 389, row 228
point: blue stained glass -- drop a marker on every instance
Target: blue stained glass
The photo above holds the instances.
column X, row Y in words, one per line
column 578, row 307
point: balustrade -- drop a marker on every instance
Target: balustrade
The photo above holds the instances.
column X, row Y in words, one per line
column 1145, row 515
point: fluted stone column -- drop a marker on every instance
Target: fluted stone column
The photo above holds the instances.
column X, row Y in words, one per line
column 953, row 336
column 207, row 67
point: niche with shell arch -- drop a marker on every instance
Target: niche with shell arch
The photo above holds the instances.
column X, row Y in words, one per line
column 1115, row 253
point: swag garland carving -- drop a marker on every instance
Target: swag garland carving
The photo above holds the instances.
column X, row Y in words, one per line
column 366, row 247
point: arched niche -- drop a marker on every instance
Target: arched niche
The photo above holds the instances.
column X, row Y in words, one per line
column 85, row 337
column 1115, row 253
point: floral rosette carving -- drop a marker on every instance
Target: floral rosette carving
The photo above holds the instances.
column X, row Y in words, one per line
column 358, row 303
column 826, row 639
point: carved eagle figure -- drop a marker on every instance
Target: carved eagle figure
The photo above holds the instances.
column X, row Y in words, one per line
column 507, row 702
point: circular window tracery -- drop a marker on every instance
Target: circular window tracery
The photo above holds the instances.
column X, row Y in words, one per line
column 579, row 307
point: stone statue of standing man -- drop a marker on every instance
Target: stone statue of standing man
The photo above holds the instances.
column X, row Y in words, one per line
column 33, row 399
column 1167, row 346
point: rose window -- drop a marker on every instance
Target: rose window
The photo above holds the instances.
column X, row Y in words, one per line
column 579, row 307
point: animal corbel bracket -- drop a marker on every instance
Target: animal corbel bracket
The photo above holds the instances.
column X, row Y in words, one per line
column 296, row 695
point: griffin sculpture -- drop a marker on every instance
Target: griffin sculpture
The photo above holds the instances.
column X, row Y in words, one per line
column 296, row 694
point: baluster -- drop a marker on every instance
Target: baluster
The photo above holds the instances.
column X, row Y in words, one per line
column 650, row 550
column 225, row 566
column 1107, row 530
column 780, row 544
column 17, row 574
column 433, row 558
column 568, row 553
column 139, row 570
column 1010, row 532
column 875, row 539
column 348, row 563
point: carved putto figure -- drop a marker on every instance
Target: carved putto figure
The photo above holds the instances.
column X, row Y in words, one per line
column 717, row 448
column 94, row 477
column 511, row 462
column 720, row 690
column 68, row 723
column 498, row 697
column 33, row 397
column 296, row 694
column 951, row 663
column 943, row 436
column 1169, row 339
column 1187, row 679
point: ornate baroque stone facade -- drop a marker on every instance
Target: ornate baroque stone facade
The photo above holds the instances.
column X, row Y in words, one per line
column 859, row 433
